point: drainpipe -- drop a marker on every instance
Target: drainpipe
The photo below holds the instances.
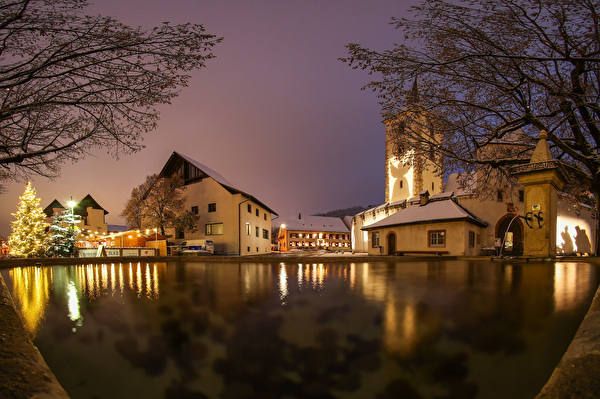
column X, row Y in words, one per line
column 240, row 225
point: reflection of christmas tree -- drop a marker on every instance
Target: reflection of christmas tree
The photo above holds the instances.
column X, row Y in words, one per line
column 29, row 226
column 63, row 234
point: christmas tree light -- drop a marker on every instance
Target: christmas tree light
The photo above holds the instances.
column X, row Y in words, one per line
column 63, row 234
column 29, row 227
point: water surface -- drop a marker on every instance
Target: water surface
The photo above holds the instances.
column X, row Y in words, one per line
column 439, row 329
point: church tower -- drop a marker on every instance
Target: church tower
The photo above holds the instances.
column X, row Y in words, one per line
column 411, row 161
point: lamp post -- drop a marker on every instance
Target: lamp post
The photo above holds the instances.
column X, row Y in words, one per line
column 71, row 204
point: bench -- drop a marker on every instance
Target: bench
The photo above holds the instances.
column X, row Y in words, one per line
column 436, row 253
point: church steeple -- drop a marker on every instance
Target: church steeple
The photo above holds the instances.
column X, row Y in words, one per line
column 413, row 96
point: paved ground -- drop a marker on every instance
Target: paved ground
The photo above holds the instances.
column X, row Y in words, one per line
column 24, row 374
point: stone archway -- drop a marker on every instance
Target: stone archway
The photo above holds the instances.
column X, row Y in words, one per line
column 516, row 228
column 391, row 243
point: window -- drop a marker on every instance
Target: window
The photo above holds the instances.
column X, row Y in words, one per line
column 257, row 212
column 248, row 229
column 521, row 196
column 195, row 210
column 179, row 234
column 401, row 183
column 213, row 229
column 266, row 234
column 265, row 216
column 256, row 230
column 500, row 196
column 249, row 208
column 437, row 238
column 375, row 240
column 212, row 207
column 471, row 239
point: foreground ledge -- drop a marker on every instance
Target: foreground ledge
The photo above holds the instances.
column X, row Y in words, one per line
column 23, row 371
column 25, row 374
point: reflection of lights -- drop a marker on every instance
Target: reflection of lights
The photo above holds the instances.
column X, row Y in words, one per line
column 569, row 280
column 31, row 292
column 73, row 304
column 139, row 287
column 283, row 288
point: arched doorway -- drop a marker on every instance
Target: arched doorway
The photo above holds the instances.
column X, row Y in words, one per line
column 515, row 236
column 391, row 243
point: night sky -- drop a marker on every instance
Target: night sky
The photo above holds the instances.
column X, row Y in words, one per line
column 276, row 113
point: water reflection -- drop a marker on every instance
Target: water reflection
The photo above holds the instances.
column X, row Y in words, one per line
column 32, row 287
column 381, row 330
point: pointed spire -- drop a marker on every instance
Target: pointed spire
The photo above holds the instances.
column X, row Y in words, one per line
column 413, row 96
column 542, row 150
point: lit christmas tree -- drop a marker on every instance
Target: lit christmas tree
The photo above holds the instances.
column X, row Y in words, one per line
column 29, row 226
column 63, row 234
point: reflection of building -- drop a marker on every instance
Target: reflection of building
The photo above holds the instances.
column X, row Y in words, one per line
column 397, row 226
column 237, row 222
column 313, row 232
column 92, row 214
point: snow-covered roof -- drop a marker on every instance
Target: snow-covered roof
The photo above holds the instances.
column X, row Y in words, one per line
column 215, row 175
column 433, row 211
column 441, row 196
column 453, row 184
column 316, row 223
column 176, row 157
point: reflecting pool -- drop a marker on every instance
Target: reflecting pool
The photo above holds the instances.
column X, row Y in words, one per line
column 438, row 329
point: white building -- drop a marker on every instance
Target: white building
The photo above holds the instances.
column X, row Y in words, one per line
column 493, row 221
column 236, row 221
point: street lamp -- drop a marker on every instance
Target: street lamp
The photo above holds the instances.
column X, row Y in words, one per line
column 71, row 204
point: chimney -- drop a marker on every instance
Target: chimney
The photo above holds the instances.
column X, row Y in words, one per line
column 424, row 197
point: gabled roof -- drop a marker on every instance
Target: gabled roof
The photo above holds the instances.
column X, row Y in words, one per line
column 434, row 211
column 49, row 210
column 80, row 208
column 194, row 171
column 88, row 202
column 316, row 223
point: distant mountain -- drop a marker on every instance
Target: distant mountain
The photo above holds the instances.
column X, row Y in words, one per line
column 341, row 213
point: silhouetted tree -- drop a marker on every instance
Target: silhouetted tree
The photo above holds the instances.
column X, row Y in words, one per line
column 159, row 203
column 70, row 82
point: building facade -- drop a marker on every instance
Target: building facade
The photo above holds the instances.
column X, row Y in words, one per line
column 495, row 225
column 237, row 222
column 93, row 216
column 313, row 233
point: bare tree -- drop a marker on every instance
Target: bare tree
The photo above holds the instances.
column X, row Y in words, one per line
column 159, row 203
column 70, row 82
column 490, row 71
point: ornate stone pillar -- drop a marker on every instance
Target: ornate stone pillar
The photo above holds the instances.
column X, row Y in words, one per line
column 542, row 177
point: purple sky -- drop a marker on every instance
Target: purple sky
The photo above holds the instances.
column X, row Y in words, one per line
column 275, row 113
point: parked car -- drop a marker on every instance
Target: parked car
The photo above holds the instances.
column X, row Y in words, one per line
column 197, row 247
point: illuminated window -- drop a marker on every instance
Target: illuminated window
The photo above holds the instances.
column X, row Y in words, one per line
column 213, row 229
column 437, row 238
column 247, row 229
column 375, row 239
column 212, row 207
